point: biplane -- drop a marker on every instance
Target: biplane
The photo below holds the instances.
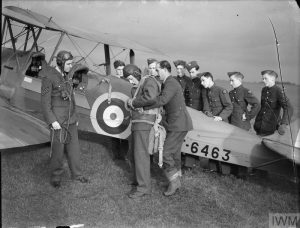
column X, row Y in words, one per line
column 101, row 99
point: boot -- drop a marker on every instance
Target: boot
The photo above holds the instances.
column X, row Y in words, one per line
column 173, row 186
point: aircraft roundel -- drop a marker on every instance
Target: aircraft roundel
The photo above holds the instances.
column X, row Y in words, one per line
column 111, row 119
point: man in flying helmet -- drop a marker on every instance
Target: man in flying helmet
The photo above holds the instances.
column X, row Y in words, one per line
column 59, row 110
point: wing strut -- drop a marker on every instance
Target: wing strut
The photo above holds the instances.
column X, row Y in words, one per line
column 13, row 42
column 131, row 56
column 56, row 47
column 107, row 59
column 35, row 38
column 3, row 29
column 26, row 39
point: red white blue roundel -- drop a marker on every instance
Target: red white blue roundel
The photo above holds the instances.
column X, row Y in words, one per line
column 111, row 119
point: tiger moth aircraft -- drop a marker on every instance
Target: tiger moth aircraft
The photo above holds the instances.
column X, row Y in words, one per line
column 101, row 99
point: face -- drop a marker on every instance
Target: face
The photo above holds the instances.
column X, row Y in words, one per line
column 132, row 80
column 235, row 82
column 161, row 72
column 68, row 66
column 119, row 71
column 193, row 72
column 205, row 81
column 269, row 80
column 180, row 70
column 152, row 69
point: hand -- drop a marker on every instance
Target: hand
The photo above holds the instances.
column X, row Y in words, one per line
column 209, row 114
column 281, row 129
column 244, row 117
column 217, row 118
column 129, row 103
column 56, row 125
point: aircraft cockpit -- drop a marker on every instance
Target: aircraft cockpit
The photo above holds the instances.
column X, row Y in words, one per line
column 36, row 64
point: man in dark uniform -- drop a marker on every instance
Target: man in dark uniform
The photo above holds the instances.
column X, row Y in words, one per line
column 177, row 123
column 196, row 89
column 245, row 104
column 185, row 82
column 142, row 121
column 196, row 103
column 59, row 110
column 216, row 104
column 216, row 101
column 119, row 147
column 273, row 99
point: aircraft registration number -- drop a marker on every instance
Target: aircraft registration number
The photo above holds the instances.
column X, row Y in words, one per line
column 213, row 152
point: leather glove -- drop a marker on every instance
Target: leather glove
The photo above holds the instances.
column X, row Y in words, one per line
column 281, row 129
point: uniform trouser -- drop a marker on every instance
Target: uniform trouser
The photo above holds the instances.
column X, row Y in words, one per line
column 141, row 164
column 119, row 148
column 71, row 150
column 172, row 151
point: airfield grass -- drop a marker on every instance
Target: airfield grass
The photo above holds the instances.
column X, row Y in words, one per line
column 205, row 199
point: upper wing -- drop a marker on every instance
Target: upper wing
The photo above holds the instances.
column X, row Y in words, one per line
column 18, row 129
column 38, row 20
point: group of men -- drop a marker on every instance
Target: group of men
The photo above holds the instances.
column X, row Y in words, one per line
column 198, row 91
column 158, row 97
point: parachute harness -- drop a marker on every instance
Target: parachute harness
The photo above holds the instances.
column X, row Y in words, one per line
column 157, row 133
column 106, row 80
column 64, row 136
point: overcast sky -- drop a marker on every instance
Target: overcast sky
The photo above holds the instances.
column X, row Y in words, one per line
column 221, row 35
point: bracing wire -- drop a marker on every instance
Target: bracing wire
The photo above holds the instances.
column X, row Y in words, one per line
column 91, row 51
column 16, row 37
column 114, row 56
column 77, row 47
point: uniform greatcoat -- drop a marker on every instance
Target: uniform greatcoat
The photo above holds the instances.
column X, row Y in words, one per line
column 186, row 85
column 177, row 123
column 196, row 94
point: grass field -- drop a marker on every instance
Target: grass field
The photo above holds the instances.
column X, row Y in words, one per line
column 205, row 199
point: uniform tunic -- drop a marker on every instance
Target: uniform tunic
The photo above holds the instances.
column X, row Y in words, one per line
column 56, row 106
column 216, row 102
column 186, row 85
column 268, row 118
column 241, row 98
column 177, row 123
column 146, row 93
